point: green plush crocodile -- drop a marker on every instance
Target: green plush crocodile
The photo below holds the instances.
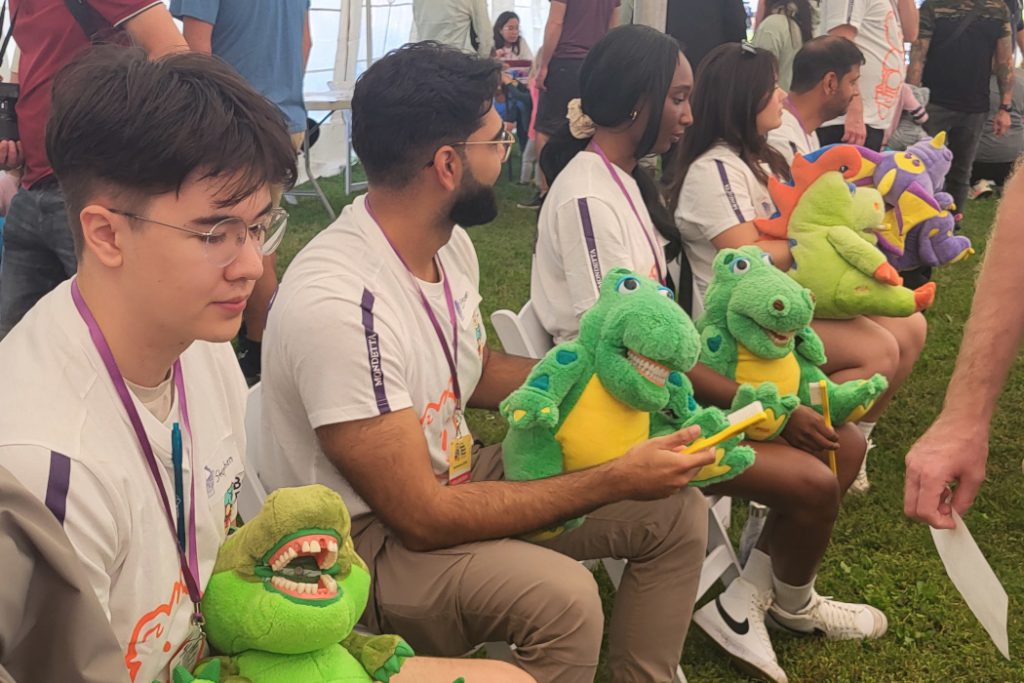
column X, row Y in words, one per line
column 832, row 228
column 286, row 591
column 756, row 328
column 621, row 382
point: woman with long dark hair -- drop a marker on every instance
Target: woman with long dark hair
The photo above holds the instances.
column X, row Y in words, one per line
column 604, row 210
column 721, row 175
column 722, row 167
column 721, row 186
column 783, row 31
column 509, row 44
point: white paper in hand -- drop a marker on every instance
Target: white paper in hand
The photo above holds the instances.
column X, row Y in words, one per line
column 973, row 577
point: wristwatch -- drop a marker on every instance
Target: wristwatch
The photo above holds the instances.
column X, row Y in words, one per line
column 1006, row 107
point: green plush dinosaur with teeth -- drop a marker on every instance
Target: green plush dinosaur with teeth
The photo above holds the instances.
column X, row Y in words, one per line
column 756, row 329
column 621, row 382
column 285, row 594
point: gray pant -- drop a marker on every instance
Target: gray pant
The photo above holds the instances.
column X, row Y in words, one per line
column 963, row 133
column 39, row 252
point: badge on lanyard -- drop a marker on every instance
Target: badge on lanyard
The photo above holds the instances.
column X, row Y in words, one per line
column 460, row 454
column 192, row 650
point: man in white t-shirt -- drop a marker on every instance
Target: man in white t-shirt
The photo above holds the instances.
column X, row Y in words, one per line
column 168, row 220
column 879, row 28
column 826, row 75
column 374, row 348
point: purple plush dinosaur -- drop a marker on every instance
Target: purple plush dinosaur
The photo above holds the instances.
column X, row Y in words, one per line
column 932, row 243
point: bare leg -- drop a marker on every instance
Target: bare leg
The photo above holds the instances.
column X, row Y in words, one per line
column 542, row 181
column 804, row 498
column 437, row 670
column 910, row 334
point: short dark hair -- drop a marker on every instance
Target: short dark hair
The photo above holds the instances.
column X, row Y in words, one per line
column 821, row 56
column 138, row 128
column 414, row 100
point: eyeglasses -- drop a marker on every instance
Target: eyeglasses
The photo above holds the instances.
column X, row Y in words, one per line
column 505, row 138
column 224, row 241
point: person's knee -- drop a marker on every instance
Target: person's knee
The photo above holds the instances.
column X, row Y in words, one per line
column 676, row 524
column 912, row 339
column 885, row 353
column 568, row 609
column 852, row 448
column 814, row 494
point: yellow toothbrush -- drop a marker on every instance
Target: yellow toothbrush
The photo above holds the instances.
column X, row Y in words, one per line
column 819, row 397
column 739, row 421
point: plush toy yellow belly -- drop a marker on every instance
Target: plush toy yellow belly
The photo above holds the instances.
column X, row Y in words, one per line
column 600, row 428
column 784, row 372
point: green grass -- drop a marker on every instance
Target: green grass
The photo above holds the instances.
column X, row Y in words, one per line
column 877, row 555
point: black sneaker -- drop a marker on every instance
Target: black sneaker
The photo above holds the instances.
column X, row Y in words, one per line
column 535, row 203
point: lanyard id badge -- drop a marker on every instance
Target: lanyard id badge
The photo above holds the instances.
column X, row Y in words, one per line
column 460, row 454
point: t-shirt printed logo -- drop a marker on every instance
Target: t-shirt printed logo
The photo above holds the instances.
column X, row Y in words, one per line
column 231, row 503
column 210, row 482
column 887, row 92
column 152, row 631
column 440, row 411
column 478, row 333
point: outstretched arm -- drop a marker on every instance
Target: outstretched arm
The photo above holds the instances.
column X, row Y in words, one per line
column 955, row 448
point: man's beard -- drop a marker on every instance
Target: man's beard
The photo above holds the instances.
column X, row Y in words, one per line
column 476, row 204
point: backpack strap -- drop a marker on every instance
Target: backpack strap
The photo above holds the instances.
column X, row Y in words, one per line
column 90, row 21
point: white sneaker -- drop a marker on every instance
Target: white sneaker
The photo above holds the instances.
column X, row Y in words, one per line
column 835, row 620
column 982, row 188
column 861, row 483
column 735, row 622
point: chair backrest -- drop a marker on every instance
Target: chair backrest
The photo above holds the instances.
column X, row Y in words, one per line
column 252, row 495
column 522, row 334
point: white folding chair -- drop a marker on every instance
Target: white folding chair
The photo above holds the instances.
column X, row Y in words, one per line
column 253, row 493
column 522, row 334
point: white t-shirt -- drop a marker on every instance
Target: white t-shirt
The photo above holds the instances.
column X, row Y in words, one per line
column 348, row 339
column 880, row 38
column 719, row 193
column 790, row 138
column 586, row 228
column 65, row 435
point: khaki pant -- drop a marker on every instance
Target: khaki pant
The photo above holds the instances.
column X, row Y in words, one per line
column 539, row 597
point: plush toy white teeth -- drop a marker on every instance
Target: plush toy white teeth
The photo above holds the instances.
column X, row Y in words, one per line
column 651, row 370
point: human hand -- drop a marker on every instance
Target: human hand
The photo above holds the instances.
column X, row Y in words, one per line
column 952, row 450
column 656, row 469
column 1001, row 123
column 542, row 77
column 10, row 155
column 807, row 431
column 856, row 131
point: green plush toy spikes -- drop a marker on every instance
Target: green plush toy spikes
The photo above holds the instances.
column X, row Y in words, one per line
column 756, row 330
column 286, row 592
column 621, row 382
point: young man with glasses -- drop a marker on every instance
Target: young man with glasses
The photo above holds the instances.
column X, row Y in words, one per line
column 167, row 180
column 374, row 348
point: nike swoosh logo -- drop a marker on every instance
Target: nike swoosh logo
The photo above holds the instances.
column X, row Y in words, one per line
column 740, row 627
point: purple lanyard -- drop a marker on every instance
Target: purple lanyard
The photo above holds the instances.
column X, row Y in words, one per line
column 189, row 565
column 625, row 193
column 796, row 115
column 452, row 357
